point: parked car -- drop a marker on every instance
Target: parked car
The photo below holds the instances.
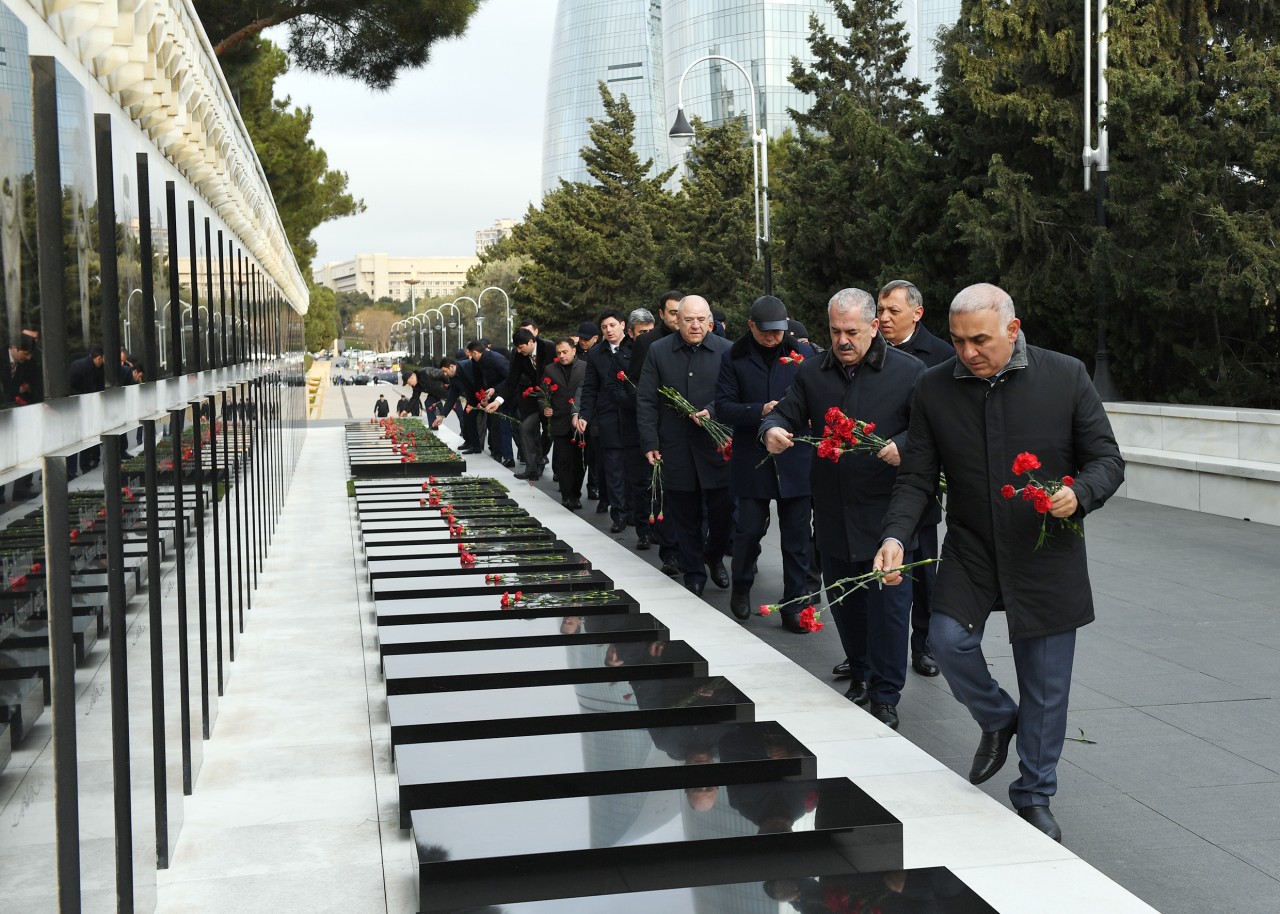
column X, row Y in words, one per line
column 361, row 379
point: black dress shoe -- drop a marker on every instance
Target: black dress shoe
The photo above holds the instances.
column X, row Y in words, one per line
column 791, row 623
column 593, row 493
column 618, row 526
column 923, row 663
column 740, row 604
column 993, row 749
column 509, row 464
column 566, row 503
column 696, row 587
column 841, row 670
column 525, row 475
column 886, row 713
column 857, row 692
column 670, row 568
column 719, row 574
column 602, row 506
column 643, row 542
column 1043, row 819
column 575, row 505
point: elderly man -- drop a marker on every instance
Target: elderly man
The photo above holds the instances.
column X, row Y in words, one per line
column 756, row 372
column 867, row 380
column 688, row 361
column 636, row 468
column 900, row 308
column 999, row 399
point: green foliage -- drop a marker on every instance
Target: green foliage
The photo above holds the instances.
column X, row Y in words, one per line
column 370, row 41
column 322, row 318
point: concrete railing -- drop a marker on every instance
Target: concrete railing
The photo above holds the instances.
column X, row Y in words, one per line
column 1217, row 460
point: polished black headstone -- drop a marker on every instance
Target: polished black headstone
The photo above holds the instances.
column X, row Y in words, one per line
column 479, row 714
column 462, row 514
column 520, row 631
column 473, row 583
column 426, row 524
column 457, row 772
column 522, row 667
column 428, row 533
column 921, row 891
column 508, row 852
column 454, row 547
column 21, row 703
column 488, row 563
column 373, row 510
column 431, row 610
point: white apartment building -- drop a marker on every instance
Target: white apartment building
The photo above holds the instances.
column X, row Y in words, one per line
column 400, row 278
column 488, row 237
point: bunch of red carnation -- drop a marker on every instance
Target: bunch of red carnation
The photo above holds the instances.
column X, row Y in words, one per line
column 467, row 559
column 542, row 392
column 842, row 435
column 792, row 358
column 511, row 599
column 1039, row 493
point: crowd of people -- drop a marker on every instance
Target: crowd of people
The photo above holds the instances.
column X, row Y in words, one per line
column 696, row 441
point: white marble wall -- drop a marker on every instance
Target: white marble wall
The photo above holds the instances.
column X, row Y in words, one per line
column 1212, row 459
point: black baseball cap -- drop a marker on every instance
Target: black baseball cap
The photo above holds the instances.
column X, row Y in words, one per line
column 769, row 313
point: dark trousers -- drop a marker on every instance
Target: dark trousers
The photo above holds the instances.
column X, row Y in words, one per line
column 500, row 434
column 568, row 465
column 1043, row 667
column 637, row 473
column 592, row 456
column 793, row 526
column 922, row 581
column 613, row 480
column 535, row 458
column 874, row 626
column 470, row 425
column 684, row 512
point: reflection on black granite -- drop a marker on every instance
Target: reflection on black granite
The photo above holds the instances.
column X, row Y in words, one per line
column 516, row 631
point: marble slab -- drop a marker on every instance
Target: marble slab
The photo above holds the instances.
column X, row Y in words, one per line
column 918, row 891
column 522, row 667
column 499, row 563
column 21, row 704
column 84, row 635
column 585, row 764
column 474, row 584
column 648, row 840
column 376, row 555
column 521, row 631
column 484, row 713
column 476, row 608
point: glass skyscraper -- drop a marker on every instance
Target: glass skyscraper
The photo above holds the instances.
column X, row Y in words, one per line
column 641, row 48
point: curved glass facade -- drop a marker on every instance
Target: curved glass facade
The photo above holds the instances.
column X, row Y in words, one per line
column 618, row 42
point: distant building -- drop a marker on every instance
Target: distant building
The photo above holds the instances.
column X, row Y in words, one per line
column 488, row 237
column 400, row 278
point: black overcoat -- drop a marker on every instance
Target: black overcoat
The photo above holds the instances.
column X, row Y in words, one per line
column 568, row 381
column 596, row 408
column 1045, row 404
column 851, row 496
column 690, row 460
column 746, row 384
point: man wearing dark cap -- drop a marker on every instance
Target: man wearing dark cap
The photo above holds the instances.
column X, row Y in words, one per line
column 754, row 375
column 588, row 335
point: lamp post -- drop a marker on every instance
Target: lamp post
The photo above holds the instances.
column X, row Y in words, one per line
column 682, row 133
column 474, row 304
column 444, row 344
column 458, row 312
column 480, row 317
column 420, row 347
column 412, row 283
column 1098, row 157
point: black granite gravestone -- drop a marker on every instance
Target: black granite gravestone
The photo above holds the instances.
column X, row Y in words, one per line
column 509, row 563
column 480, row 607
column 521, row 631
column 379, row 555
column 473, row 583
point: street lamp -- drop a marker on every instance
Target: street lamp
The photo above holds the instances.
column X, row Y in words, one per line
column 412, row 283
column 480, row 317
column 420, row 347
column 444, row 344
column 474, row 304
column 458, row 312
column 1098, row 157
column 682, row 133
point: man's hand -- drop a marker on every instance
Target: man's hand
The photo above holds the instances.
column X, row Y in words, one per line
column 889, row 454
column 1064, row 502
column 653, row 457
column 768, row 408
column 777, row 440
column 491, row 407
column 700, row 415
column 889, row 556
column 580, row 424
column 439, row 422
column 546, row 411
column 488, row 394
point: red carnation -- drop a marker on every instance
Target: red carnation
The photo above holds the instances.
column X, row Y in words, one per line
column 1008, row 492
column 1025, row 463
column 833, row 415
column 1068, row 480
column 621, row 376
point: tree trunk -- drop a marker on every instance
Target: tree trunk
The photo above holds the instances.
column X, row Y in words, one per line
column 253, row 28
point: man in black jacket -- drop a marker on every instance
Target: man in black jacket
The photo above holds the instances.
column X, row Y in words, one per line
column 1001, row 399
column 567, row 374
column 900, row 308
column 600, row 417
column 867, row 380
column 86, row 375
column 381, row 408
column 528, row 367
column 692, row 466
column 491, row 367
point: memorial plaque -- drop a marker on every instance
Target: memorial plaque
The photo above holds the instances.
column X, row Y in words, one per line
column 584, row 764
column 406, row 527
column 421, row 531
column 474, row 584
column 522, row 631
column 539, row 849
column 494, row 563
column 513, row 668
column 920, row 891
column 401, row 545
column 421, row 501
column 379, row 554
column 490, row 606
column 461, row 513
column 477, row 714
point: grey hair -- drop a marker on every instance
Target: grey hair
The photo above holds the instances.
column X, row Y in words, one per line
column 853, row 300
column 984, row 296
column 693, row 300
column 914, row 298
column 639, row 316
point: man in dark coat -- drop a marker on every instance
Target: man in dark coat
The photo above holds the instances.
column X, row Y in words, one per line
column 667, row 323
column 381, row 408
column 636, row 469
column 491, row 369
column 754, row 376
column 973, row 417
column 869, row 381
column 528, row 368
column 692, row 468
column 900, row 308
column 567, row 373
column 598, row 416
column 86, row 375
column 429, row 383
column 462, row 386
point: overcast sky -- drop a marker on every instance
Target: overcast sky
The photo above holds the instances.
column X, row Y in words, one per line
column 449, row 149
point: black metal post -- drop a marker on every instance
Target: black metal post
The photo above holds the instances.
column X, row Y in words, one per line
column 215, row 352
column 108, row 273
column 202, row 608
column 53, row 306
column 227, row 357
column 175, row 300
column 155, row 618
column 217, row 547
column 180, row 571
column 198, row 360
column 146, row 240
